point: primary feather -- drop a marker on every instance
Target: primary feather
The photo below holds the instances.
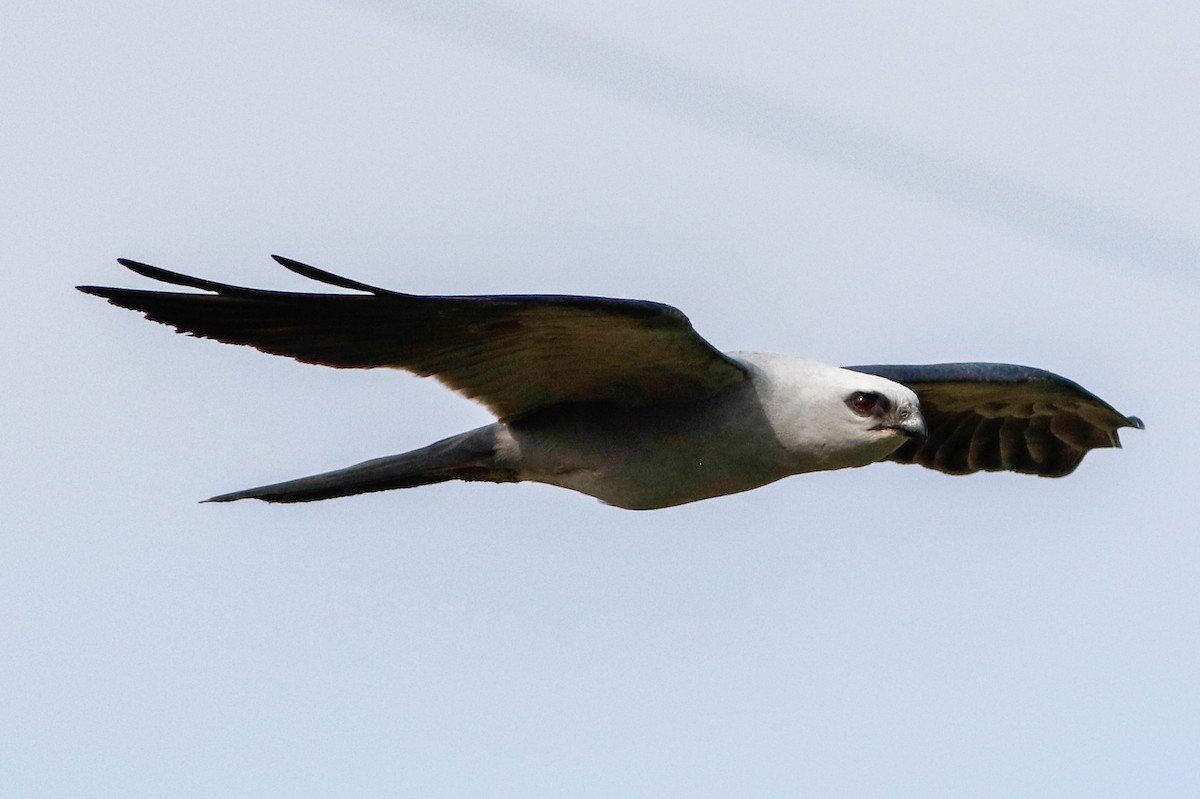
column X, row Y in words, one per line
column 512, row 353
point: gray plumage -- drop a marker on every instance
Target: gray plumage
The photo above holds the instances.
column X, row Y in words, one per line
column 624, row 401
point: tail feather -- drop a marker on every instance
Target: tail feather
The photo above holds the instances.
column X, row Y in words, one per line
column 461, row 457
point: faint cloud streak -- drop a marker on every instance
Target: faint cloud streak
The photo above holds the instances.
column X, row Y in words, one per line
column 690, row 92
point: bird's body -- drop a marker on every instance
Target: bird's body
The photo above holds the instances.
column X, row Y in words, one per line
column 621, row 400
column 640, row 458
column 742, row 438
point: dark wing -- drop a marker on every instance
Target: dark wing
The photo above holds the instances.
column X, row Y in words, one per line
column 512, row 353
column 1002, row 417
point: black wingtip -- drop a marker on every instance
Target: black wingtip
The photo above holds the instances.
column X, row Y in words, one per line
column 180, row 279
column 230, row 497
column 291, row 263
column 321, row 276
column 145, row 270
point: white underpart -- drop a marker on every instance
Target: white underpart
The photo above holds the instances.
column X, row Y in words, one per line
column 791, row 417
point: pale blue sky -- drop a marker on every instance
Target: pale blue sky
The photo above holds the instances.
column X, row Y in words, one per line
column 883, row 632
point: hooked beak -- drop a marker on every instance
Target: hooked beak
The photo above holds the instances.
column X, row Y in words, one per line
column 909, row 423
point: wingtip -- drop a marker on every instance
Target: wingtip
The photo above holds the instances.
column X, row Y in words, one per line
column 289, row 263
column 224, row 497
column 143, row 269
column 305, row 270
column 165, row 275
column 146, row 270
column 321, row 276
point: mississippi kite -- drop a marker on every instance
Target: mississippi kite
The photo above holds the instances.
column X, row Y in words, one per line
column 624, row 401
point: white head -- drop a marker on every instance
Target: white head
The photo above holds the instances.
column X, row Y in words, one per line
column 832, row 418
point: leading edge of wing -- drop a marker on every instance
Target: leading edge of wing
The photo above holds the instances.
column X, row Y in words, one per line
column 642, row 309
column 514, row 353
column 983, row 374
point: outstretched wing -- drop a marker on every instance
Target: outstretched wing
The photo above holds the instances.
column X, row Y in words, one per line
column 514, row 353
column 1002, row 417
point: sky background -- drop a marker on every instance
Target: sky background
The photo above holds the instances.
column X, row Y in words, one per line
column 852, row 182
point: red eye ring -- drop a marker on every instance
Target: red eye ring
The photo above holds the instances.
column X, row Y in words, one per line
column 864, row 403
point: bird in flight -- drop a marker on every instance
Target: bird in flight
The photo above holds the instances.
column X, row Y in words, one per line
column 623, row 400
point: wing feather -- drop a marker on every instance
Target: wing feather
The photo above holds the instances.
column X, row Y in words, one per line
column 984, row 451
column 513, row 353
column 1003, row 417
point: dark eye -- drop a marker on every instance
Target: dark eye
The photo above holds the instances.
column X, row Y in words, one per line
column 863, row 402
